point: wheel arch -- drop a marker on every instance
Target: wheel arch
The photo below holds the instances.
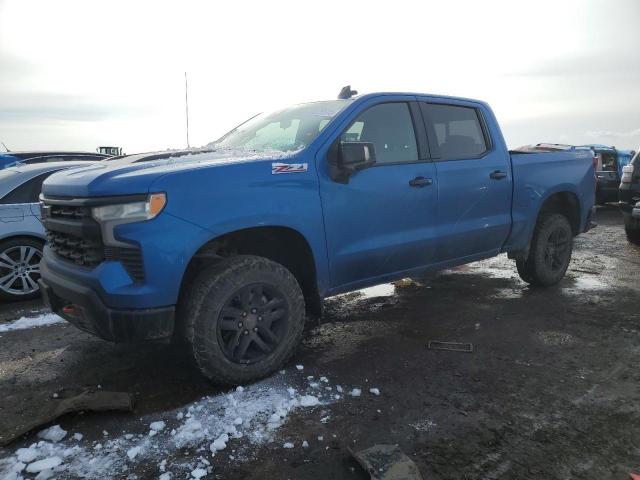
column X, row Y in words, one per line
column 30, row 236
column 565, row 203
column 280, row 244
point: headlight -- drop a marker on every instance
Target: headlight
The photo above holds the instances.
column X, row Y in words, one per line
column 131, row 212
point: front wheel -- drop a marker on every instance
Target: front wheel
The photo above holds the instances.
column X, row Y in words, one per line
column 20, row 268
column 244, row 317
column 550, row 251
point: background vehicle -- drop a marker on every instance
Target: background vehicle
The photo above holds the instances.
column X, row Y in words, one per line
column 629, row 198
column 13, row 158
column 231, row 248
column 6, row 159
column 21, row 232
column 610, row 162
column 111, row 151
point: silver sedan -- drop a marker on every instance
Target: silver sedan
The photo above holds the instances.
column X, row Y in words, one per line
column 22, row 235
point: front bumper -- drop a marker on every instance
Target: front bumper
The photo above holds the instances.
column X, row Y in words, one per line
column 82, row 307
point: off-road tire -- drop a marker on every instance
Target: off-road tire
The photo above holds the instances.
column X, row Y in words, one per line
column 535, row 269
column 204, row 299
column 633, row 234
column 13, row 243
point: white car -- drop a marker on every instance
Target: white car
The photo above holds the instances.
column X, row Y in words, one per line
column 22, row 235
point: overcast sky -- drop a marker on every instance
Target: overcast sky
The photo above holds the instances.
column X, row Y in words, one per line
column 78, row 74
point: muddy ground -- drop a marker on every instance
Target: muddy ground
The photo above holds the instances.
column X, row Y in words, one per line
column 551, row 389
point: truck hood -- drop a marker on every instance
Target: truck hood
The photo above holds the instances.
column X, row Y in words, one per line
column 134, row 174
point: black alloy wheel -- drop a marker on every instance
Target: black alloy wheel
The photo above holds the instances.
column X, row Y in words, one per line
column 252, row 323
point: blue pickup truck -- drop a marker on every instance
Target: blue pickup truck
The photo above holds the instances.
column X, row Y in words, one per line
column 231, row 247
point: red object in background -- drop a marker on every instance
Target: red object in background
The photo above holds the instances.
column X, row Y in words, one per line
column 68, row 309
column 634, row 474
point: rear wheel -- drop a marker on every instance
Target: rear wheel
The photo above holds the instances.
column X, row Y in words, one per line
column 550, row 251
column 20, row 268
column 633, row 234
column 244, row 317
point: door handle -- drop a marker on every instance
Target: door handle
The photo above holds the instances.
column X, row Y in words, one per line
column 497, row 175
column 420, row 182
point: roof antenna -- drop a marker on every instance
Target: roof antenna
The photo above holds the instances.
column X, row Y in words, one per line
column 347, row 93
column 5, row 147
column 186, row 105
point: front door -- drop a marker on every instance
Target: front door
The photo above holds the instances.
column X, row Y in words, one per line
column 382, row 221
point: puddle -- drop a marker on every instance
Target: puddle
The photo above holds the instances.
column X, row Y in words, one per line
column 337, row 341
column 508, row 293
column 584, row 284
column 588, row 283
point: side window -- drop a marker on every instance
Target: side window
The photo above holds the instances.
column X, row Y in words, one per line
column 454, row 132
column 390, row 128
column 28, row 192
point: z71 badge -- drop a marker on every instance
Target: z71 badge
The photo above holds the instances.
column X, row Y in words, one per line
column 278, row 168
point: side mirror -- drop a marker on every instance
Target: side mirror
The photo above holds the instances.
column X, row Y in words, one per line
column 349, row 157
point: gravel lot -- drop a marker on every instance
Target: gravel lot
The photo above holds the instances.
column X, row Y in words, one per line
column 550, row 390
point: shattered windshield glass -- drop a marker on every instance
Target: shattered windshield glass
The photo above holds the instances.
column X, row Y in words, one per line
column 285, row 130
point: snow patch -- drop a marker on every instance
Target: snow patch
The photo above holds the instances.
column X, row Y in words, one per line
column 31, row 322
column 45, row 464
column 53, row 434
column 157, row 426
column 133, row 452
column 241, row 418
column 198, row 473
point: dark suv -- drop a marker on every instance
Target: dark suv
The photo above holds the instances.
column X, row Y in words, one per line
column 630, row 199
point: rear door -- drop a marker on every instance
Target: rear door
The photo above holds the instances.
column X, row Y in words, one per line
column 383, row 220
column 474, row 181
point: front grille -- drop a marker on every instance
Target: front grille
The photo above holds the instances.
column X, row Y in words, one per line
column 81, row 251
column 74, row 236
column 70, row 212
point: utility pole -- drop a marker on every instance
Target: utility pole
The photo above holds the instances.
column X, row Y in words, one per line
column 186, row 104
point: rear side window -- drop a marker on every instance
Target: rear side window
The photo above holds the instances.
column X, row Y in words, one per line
column 28, row 192
column 608, row 161
column 455, row 132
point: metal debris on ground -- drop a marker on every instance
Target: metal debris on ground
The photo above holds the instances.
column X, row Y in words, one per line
column 12, row 426
column 450, row 346
column 387, row 462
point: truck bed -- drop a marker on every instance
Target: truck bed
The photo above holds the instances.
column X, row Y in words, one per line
column 537, row 176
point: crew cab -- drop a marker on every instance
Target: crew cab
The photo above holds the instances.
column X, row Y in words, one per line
column 629, row 194
column 232, row 246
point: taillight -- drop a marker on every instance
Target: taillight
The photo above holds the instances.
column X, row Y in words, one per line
column 627, row 173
